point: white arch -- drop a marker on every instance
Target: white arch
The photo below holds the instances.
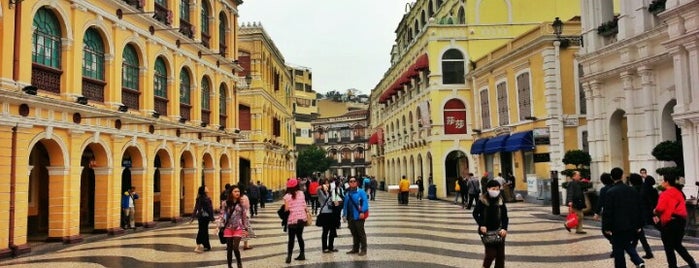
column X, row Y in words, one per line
column 140, row 47
column 104, row 145
column 134, row 143
column 51, row 136
column 61, row 14
column 445, row 49
column 509, row 11
column 105, row 31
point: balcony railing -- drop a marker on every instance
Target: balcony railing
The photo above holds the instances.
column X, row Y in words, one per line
column 93, row 89
column 129, row 97
column 185, row 111
column 136, row 3
column 222, row 49
column 222, row 120
column 161, row 105
column 205, row 116
column 46, row 78
column 162, row 14
column 205, row 39
column 186, row 28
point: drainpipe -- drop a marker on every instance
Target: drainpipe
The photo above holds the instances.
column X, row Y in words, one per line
column 13, row 189
column 15, row 48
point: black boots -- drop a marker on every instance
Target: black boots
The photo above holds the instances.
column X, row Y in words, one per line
column 301, row 257
column 288, row 258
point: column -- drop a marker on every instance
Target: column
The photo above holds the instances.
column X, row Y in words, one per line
column 632, row 115
column 190, row 189
column 683, row 94
column 648, row 129
column 690, row 141
column 169, row 199
column 61, row 218
column 104, row 216
column 693, row 62
column 599, row 134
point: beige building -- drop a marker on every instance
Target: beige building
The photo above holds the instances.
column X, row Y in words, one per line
column 265, row 109
column 305, row 106
column 345, row 139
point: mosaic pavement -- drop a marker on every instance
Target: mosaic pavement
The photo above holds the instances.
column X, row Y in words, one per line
column 424, row 234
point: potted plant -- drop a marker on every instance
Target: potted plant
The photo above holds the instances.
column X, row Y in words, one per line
column 581, row 160
column 670, row 151
column 609, row 28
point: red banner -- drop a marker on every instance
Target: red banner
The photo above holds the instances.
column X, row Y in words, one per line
column 454, row 122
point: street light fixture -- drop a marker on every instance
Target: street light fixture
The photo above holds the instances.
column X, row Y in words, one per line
column 565, row 41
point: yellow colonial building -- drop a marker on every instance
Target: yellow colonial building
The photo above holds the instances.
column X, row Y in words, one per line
column 305, row 106
column 529, row 106
column 99, row 96
column 423, row 108
column 265, row 110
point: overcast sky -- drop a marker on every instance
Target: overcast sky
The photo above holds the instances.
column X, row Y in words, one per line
column 347, row 44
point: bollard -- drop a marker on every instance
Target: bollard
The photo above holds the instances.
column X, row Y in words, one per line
column 432, row 192
column 555, row 197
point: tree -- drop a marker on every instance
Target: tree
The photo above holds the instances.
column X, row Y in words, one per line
column 670, row 151
column 333, row 95
column 581, row 160
column 312, row 159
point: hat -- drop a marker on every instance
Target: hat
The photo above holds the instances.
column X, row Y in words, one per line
column 291, row 183
column 492, row 183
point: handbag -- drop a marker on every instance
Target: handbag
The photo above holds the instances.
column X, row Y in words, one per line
column 457, row 187
column 309, row 218
column 571, row 219
column 492, row 238
column 220, row 236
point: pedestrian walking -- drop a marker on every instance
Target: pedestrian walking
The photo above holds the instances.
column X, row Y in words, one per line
column 263, row 193
column 484, row 182
column 226, row 191
column 490, row 214
column 374, row 187
column 295, row 204
column 646, row 212
column 204, row 213
column 671, row 215
column 253, row 194
column 403, row 190
column 354, row 212
column 245, row 203
column 474, row 189
column 607, row 181
column 463, row 184
column 325, row 218
column 622, row 220
column 457, row 190
column 420, row 187
column 128, row 208
column 313, row 190
column 575, row 199
column 234, row 217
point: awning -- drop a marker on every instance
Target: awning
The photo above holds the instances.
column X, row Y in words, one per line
column 523, row 141
column 421, row 63
column 478, row 146
column 496, row 144
column 374, row 139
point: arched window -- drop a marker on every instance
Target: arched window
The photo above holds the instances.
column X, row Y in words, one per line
column 205, row 36
column 453, row 67
column 129, row 78
column 454, row 117
column 416, row 28
column 485, row 109
column 222, row 105
column 184, row 10
column 93, row 65
column 46, row 51
column 524, row 96
column 185, row 19
column 462, row 16
column 222, row 38
column 503, row 109
column 423, row 18
column 205, row 100
column 430, row 9
column 160, row 86
column 185, row 93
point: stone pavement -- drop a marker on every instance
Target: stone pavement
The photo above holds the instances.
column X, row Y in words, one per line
column 423, row 234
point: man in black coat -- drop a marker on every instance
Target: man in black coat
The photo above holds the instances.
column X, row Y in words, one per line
column 623, row 220
column 575, row 198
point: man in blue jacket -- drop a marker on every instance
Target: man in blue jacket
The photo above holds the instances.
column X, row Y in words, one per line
column 128, row 206
column 354, row 212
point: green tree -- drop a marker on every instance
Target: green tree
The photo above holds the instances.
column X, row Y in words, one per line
column 312, row 159
column 670, row 151
column 581, row 160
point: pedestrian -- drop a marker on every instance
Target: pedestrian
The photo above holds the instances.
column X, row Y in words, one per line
column 234, row 218
column 204, row 212
column 263, row 193
column 325, row 218
column 313, row 191
column 374, row 187
column 473, row 190
column 457, row 190
column 226, row 191
column 463, row 184
column 245, row 203
column 575, row 199
column 403, row 190
column 509, row 188
column 490, row 214
column 648, row 191
column 420, row 187
column 354, row 212
column 646, row 212
column 295, row 203
column 128, row 207
column 484, row 182
column 253, row 194
column 607, row 181
column 338, row 195
column 622, row 220
column 671, row 215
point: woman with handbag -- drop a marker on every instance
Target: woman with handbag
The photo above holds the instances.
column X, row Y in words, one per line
column 491, row 215
column 671, row 215
column 295, row 204
column 325, row 218
column 204, row 212
column 235, row 220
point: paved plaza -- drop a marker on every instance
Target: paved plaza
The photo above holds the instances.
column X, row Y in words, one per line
column 423, row 234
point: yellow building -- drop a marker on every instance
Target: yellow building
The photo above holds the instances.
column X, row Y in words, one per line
column 332, row 108
column 305, row 106
column 265, row 110
column 525, row 91
column 423, row 106
column 107, row 95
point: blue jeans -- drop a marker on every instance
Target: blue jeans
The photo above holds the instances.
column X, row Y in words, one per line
column 625, row 241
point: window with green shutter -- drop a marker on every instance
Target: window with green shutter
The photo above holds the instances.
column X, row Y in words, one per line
column 129, row 68
column 46, row 39
column 93, row 55
column 185, row 87
column 160, row 81
column 205, row 94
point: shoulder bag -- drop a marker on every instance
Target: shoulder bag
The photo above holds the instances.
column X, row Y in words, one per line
column 492, row 238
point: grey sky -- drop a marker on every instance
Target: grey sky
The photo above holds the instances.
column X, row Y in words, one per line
column 347, row 44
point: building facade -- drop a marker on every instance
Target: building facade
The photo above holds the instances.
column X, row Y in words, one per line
column 641, row 82
column 345, row 139
column 529, row 108
column 108, row 95
column 266, row 118
column 423, row 106
column 305, row 106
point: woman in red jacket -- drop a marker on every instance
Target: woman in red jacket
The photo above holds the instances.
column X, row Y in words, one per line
column 671, row 213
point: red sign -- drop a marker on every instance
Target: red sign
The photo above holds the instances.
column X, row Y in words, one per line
column 454, row 122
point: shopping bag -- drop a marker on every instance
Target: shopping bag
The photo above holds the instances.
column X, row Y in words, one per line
column 572, row 219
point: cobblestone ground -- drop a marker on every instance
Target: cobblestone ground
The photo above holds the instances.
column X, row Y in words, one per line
column 423, row 234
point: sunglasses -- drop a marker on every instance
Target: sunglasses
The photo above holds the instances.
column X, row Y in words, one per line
column 352, row 181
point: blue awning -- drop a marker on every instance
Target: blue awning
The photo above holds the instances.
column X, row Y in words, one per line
column 496, row 144
column 523, row 141
column 478, row 146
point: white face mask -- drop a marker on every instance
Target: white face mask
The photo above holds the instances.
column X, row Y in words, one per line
column 493, row 193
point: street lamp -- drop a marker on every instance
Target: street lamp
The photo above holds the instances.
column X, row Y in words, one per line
column 565, row 41
column 248, row 79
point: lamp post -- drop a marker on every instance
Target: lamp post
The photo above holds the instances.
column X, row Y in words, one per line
column 565, row 41
column 248, row 80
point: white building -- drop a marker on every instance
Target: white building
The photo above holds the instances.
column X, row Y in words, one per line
column 641, row 76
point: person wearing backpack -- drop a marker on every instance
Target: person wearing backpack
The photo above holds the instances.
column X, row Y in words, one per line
column 355, row 211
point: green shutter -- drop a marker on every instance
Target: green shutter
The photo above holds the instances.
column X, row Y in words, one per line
column 130, row 68
column 93, row 55
column 185, row 87
column 160, row 81
column 46, row 39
